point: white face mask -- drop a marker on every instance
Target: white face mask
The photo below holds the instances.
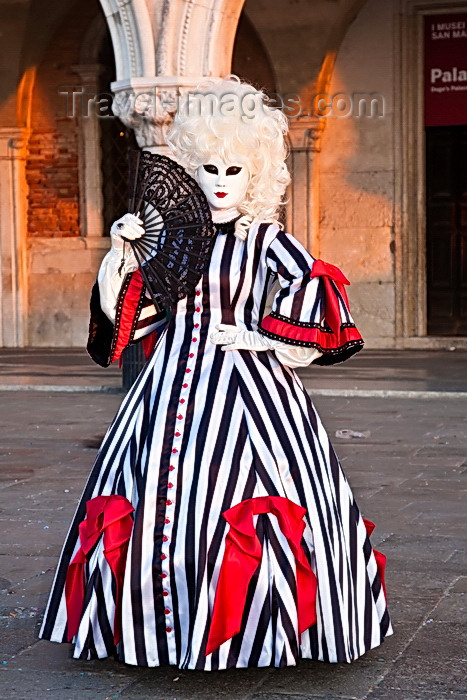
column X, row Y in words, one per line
column 224, row 185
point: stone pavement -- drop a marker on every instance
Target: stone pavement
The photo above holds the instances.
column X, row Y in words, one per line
column 56, row 368
column 408, row 476
column 372, row 372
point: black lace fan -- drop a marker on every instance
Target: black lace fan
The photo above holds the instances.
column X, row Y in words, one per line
column 176, row 247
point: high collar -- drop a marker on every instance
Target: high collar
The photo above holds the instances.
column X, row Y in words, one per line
column 223, row 227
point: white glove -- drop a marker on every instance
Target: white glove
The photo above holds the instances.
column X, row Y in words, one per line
column 128, row 226
column 233, row 338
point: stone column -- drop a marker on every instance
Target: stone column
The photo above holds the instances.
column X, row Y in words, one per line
column 13, row 226
column 90, row 174
column 148, row 106
column 302, row 212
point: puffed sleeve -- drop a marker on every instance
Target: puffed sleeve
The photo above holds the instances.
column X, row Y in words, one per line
column 311, row 309
column 111, row 274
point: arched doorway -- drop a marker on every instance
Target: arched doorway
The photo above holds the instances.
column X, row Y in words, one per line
column 74, row 191
column 250, row 59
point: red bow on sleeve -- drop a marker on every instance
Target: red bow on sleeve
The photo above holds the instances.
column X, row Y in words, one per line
column 242, row 557
column 330, row 272
column 110, row 516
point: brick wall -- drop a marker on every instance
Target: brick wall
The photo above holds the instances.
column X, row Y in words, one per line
column 52, row 167
column 52, row 175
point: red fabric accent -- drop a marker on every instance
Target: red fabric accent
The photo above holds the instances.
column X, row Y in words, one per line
column 326, row 341
column 369, row 526
column 149, row 343
column 324, row 269
column 379, row 557
column 127, row 314
column 330, row 272
column 242, row 557
column 109, row 516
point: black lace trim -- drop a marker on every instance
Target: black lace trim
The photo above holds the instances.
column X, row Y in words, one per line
column 227, row 226
column 305, row 324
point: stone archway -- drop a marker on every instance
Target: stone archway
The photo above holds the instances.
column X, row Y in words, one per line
column 185, row 42
column 167, row 46
column 302, row 43
column 132, row 37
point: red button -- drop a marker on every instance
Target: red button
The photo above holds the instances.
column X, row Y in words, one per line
column 192, row 354
column 163, row 575
column 180, row 417
column 170, row 485
column 167, row 521
column 196, row 325
column 167, row 611
column 194, row 340
column 174, row 451
column 163, row 556
column 198, row 292
column 188, row 371
column 165, row 538
column 184, row 386
column 165, row 593
column 198, row 309
column 182, row 400
column 177, row 434
column 168, row 629
column 171, row 468
column 169, row 503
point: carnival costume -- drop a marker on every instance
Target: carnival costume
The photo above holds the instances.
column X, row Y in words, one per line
column 217, row 528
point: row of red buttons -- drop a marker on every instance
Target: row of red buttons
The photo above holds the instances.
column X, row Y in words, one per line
column 165, row 593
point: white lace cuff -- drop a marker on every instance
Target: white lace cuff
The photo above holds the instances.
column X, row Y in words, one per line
column 110, row 277
column 293, row 356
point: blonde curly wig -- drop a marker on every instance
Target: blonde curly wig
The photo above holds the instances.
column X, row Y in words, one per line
column 232, row 120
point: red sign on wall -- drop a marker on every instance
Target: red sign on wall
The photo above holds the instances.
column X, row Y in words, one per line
column 445, row 69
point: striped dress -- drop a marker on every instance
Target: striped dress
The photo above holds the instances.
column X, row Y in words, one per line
column 208, row 441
